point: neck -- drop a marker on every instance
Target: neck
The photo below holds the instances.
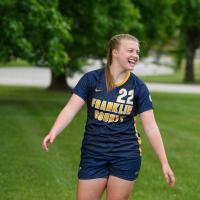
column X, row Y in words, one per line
column 118, row 74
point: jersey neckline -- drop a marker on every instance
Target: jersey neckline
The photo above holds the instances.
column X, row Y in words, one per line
column 124, row 81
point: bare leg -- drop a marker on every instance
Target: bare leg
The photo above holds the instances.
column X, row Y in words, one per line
column 91, row 189
column 118, row 189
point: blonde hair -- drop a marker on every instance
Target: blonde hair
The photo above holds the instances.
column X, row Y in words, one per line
column 114, row 44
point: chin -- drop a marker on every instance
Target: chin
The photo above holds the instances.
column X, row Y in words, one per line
column 131, row 68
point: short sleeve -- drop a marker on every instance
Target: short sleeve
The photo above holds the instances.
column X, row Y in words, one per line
column 143, row 101
column 82, row 89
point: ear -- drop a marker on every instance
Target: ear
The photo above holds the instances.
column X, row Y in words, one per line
column 114, row 52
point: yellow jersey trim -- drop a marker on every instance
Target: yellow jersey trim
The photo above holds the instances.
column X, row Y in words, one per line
column 137, row 135
column 124, row 81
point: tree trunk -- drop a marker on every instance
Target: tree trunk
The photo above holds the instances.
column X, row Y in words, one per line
column 158, row 56
column 59, row 83
column 189, row 67
column 191, row 47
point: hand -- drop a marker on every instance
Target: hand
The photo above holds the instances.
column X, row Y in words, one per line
column 47, row 141
column 169, row 175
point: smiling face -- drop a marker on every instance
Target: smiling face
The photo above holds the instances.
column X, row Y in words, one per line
column 126, row 55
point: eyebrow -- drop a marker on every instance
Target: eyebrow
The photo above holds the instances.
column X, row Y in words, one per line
column 134, row 49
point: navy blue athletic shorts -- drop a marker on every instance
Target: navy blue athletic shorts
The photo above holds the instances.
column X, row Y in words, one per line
column 103, row 166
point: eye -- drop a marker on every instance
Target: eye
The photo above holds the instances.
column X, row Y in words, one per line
column 137, row 52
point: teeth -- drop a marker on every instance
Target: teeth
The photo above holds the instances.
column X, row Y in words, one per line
column 132, row 60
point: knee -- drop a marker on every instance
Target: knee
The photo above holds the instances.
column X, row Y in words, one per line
column 118, row 198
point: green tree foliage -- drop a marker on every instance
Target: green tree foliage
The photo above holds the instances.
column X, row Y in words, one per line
column 94, row 22
column 175, row 20
column 63, row 35
column 188, row 38
column 158, row 22
column 34, row 30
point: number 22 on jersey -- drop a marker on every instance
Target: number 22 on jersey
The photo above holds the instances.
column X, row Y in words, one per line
column 122, row 96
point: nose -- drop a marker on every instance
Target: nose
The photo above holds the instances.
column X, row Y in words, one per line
column 136, row 57
column 135, row 54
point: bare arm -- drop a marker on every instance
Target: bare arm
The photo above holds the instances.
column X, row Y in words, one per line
column 74, row 104
column 153, row 134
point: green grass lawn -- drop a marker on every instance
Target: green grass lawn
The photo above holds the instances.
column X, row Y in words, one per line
column 27, row 172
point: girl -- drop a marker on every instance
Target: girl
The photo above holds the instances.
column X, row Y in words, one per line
column 110, row 153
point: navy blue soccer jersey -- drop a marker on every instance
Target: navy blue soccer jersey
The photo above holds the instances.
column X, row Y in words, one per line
column 111, row 119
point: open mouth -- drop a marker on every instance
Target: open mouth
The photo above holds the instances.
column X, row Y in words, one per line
column 132, row 61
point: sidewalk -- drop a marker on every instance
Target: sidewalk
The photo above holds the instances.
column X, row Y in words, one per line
column 174, row 88
column 41, row 77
